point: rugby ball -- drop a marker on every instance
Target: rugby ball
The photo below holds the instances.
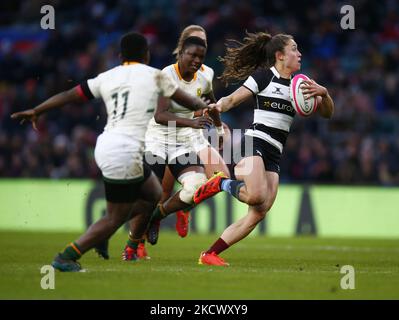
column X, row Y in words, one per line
column 302, row 107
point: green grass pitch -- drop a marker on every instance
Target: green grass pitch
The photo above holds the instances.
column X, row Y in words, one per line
column 260, row 268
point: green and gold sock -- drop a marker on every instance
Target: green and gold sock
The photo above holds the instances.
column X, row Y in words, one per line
column 132, row 242
column 158, row 213
column 71, row 252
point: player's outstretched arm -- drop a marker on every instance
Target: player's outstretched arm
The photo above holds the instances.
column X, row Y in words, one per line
column 163, row 116
column 237, row 97
column 188, row 101
column 55, row 101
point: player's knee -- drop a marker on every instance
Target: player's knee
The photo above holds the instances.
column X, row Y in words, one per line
column 157, row 196
column 118, row 215
column 152, row 190
column 256, row 199
column 261, row 213
column 263, row 209
column 190, row 182
column 153, row 196
column 115, row 222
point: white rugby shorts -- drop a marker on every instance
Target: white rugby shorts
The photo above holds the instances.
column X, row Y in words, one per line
column 199, row 141
column 119, row 157
column 169, row 147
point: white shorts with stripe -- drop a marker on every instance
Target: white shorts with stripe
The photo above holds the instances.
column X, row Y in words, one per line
column 171, row 147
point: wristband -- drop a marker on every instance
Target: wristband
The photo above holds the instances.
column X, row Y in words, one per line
column 220, row 131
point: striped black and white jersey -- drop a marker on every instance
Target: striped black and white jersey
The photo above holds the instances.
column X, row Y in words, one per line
column 273, row 113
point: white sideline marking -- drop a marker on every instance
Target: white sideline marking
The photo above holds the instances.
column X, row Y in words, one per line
column 325, row 248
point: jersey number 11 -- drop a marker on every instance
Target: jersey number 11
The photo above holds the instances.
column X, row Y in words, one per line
column 125, row 96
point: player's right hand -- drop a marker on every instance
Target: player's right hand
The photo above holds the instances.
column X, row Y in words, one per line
column 217, row 106
column 201, row 122
column 29, row 114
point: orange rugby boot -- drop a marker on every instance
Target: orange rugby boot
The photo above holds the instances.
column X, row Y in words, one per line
column 210, row 188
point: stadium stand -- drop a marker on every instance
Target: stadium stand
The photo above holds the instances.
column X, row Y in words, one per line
column 359, row 146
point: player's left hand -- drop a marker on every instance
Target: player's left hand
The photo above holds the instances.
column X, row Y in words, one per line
column 201, row 122
column 29, row 114
column 311, row 88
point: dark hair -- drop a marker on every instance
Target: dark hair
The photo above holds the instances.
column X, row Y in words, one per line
column 134, row 47
column 257, row 51
column 184, row 35
column 193, row 41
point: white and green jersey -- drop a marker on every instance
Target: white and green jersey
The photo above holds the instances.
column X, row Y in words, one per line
column 200, row 84
column 130, row 93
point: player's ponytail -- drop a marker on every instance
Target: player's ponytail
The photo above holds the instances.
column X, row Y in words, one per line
column 257, row 51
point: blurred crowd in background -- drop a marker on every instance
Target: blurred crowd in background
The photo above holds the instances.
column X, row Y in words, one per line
column 360, row 67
